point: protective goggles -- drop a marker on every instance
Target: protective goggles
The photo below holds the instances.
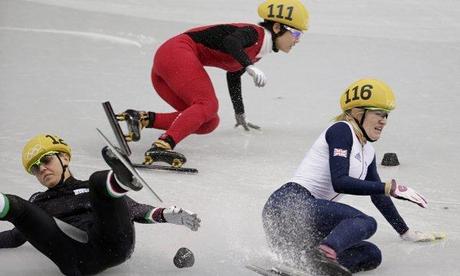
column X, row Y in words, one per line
column 295, row 33
column 45, row 159
column 379, row 112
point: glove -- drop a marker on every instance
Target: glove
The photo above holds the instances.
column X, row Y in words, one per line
column 257, row 75
column 405, row 193
column 241, row 121
column 181, row 216
column 417, row 236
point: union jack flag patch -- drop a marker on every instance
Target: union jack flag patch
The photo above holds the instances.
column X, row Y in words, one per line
column 340, row 152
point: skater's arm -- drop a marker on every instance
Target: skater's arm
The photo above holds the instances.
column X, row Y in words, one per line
column 234, row 45
column 234, row 88
column 386, row 207
column 11, row 239
column 384, row 203
column 340, row 140
column 144, row 213
column 235, row 42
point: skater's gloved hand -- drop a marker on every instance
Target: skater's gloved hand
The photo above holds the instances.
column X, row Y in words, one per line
column 259, row 77
column 418, row 236
column 405, row 193
column 181, row 216
column 241, row 121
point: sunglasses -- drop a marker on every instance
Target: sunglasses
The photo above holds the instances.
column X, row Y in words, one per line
column 295, row 33
column 45, row 159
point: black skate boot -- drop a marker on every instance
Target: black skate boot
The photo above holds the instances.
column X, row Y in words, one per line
column 122, row 173
column 326, row 266
column 161, row 152
column 136, row 121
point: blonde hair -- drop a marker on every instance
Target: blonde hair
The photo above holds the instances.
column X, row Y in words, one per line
column 347, row 117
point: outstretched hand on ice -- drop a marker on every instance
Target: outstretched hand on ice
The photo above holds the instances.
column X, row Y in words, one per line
column 241, row 121
column 419, row 236
column 181, row 216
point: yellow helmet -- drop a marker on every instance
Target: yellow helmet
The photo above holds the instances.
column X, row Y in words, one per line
column 289, row 12
column 39, row 146
column 370, row 94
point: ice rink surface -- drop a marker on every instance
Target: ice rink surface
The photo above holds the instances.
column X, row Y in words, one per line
column 59, row 59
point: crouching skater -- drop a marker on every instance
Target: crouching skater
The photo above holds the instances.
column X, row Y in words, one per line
column 303, row 220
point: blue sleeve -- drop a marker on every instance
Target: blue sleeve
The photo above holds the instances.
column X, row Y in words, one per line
column 339, row 138
column 384, row 203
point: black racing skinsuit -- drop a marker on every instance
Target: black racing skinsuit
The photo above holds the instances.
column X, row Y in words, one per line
column 85, row 205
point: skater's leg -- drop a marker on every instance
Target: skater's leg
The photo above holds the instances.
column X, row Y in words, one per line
column 184, row 75
column 209, row 126
column 202, row 106
column 167, row 93
column 165, row 120
column 40, row 230
column 114, row 229
column 345, row 226
column 360, row 257
column 285, row 219
column 296, row 220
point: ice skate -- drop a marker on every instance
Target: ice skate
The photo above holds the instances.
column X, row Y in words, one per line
column 327, row 266
column 161, row 152
column 121, row 172
column 136, row 121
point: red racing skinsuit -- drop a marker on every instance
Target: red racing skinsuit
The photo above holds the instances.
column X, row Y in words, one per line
column 179, row 77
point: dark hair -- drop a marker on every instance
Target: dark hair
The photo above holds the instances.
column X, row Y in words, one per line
column 268, row 24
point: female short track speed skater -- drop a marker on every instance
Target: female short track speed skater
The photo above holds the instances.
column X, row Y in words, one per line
column 98, row 212
column 180, row 79
column 303, row 220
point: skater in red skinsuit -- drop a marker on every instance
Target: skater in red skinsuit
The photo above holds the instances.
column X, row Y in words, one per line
column 180, row 79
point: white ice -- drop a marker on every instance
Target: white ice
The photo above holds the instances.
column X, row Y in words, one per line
column 59, row 59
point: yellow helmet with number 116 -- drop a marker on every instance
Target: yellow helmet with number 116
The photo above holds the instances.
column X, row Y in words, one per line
column 41, row 145
column 288, row 12
column 369, row 94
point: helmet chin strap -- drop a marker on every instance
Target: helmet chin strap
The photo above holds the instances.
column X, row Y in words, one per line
column 274, row 36
column 64, row 168
column 360, row 124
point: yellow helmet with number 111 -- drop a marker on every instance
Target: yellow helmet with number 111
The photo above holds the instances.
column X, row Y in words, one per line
column 288, row 12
